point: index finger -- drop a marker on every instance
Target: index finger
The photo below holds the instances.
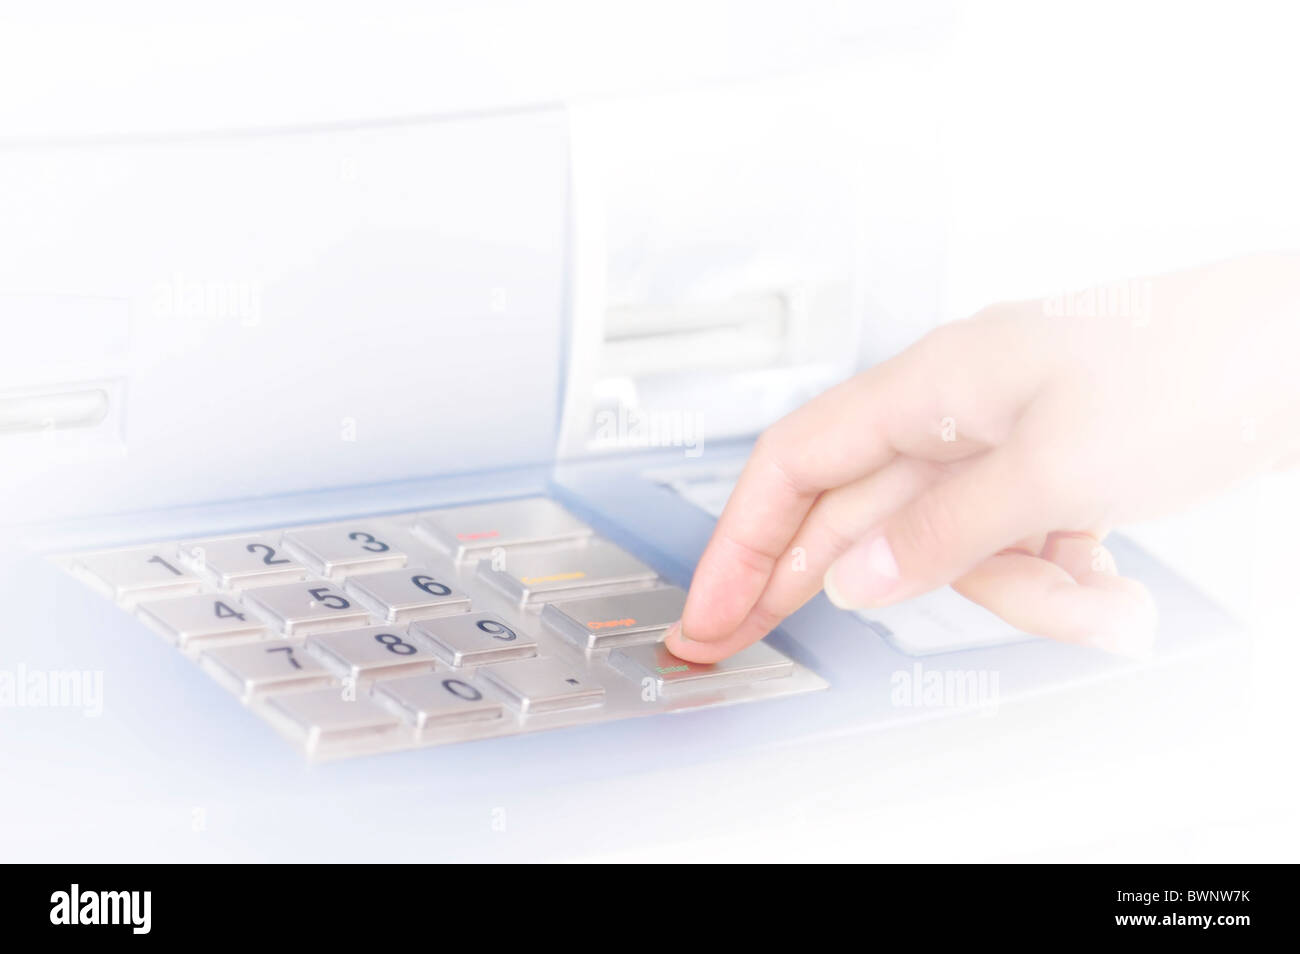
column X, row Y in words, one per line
column 830, row 441
column 990, row 365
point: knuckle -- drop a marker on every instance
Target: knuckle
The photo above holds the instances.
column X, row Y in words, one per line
column 834, row 540
column 773, row 443
column 748, row 558
column 932, row 347
column 771, row 451
column 927, row 529
column 766, row 617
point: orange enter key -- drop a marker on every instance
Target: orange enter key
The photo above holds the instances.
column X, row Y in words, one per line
column 625, row 619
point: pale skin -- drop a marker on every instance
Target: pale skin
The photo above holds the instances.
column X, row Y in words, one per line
column 995, row 454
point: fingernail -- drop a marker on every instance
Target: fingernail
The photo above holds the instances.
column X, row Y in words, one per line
column 864, row 576
column 677, row 642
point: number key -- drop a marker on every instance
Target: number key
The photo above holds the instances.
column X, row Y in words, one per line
column 440, row 699
column 258, row 668
column 471, row 640
column 204, row 618
column 129, row 576
column 335, row 552
column 300, row 608
column 242, row 562
column 375, row 652
column 398, row 596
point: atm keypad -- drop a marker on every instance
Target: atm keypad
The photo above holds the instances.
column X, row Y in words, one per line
column 455, row 624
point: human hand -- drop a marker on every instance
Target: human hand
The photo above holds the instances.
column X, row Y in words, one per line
column 997, row 452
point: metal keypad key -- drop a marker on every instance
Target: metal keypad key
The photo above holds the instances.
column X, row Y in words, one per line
column 335, row 552
column 296, row 609
column 434, row 701
column 242, row 562
column 469, row 532
column 329, row 715
column 473, row 640
column 399, row 596
column 258, row 668
column 202, row 618
column 673, row 675
column 129, row 576
column 601, row 622
column 375, row 652
column 543, row 685
column 531, row 579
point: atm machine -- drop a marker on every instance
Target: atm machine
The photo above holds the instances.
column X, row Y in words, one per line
column 352, row 469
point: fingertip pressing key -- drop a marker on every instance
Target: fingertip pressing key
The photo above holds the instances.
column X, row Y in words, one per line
column 692, row 650
column 679, row 644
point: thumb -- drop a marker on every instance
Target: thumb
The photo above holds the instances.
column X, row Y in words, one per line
column 956, row 524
